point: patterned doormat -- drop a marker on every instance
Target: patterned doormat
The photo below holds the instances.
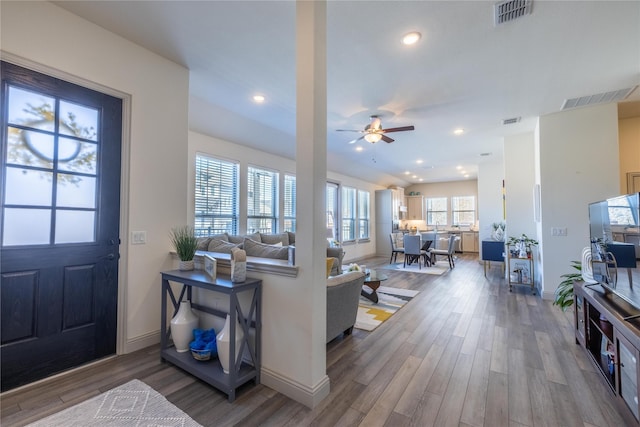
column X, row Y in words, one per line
column 131, row 404
column 390, row 300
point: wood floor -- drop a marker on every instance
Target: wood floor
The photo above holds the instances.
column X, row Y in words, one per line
column 464, row 352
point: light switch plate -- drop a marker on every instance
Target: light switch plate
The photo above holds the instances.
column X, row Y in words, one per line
column 138, row 237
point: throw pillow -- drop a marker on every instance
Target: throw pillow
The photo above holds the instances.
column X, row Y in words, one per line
column 330, row 262
column 344, row 278
column 292, row 237
column 240, row 239
column 272, row 239
column 263, row 250
column 203, row 243
column 218, row 245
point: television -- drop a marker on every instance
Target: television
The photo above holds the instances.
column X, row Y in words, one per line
column 614, row 228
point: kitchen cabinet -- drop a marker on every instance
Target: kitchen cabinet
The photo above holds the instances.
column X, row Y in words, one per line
column 415, row 208
column 470, row 241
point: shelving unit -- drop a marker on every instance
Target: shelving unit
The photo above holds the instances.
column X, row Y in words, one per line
column 609, row 329
column 240, row 372
column 520, row 270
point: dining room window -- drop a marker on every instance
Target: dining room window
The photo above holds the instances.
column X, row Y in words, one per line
column 436, row 211
column 463, row 210
column 216, row 196
column 262, row 200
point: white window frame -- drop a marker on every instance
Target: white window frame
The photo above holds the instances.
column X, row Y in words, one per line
column 456, row 210
column 429, row 201
column 216, row 200
column 265, row 209
column 364, row 215
column 290, row 202
column 349, row 212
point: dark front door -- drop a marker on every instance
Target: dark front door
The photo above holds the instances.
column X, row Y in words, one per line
column 59, row 231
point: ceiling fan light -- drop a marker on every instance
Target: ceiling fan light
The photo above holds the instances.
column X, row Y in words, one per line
column 373, row 137
column 411, row 38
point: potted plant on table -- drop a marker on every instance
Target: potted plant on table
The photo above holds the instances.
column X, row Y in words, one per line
column 522, row 246
column 185, row 243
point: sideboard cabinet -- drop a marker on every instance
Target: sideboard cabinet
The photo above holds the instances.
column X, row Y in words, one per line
column 608, row 329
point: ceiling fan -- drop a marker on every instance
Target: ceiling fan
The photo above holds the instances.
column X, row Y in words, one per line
column 373, row 132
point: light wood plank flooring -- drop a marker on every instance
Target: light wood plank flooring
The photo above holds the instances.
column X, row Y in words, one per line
column 464, row 352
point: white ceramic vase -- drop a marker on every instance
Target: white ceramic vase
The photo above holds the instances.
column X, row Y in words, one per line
column 186, row 265
column 182, row 326
column 223, row 340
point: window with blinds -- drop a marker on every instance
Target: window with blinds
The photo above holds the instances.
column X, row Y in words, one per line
column 464, row 210
column 363, row 214
column 262, row 200
column 437, row 211
column 216, row 196
column 332, row 212
column 289, row 203
column 348, row 214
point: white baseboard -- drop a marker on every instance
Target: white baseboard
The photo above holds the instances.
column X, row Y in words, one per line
column 140, row 342
column 309, row 397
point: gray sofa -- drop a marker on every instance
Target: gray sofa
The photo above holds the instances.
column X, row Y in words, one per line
column 343, row 294
column 275, row 246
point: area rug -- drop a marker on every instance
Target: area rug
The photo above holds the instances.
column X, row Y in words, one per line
column 131, row 404
column 439, row 268
column 390, row 300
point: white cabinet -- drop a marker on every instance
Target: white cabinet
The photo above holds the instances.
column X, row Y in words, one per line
column 470, row 241
column 415, row 208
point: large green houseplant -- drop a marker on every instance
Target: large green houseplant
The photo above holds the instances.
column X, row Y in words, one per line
column 185, row 243
column 563, row 296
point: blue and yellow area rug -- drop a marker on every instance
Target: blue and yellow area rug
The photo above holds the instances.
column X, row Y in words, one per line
column 390, row 300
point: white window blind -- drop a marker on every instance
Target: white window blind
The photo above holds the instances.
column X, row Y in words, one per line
column 348, row 214
column 332, row 211
column 363, row 214
column 262, row 200
column 437, row 211
column 289, row 203
column 464, row 210
column 216, row 198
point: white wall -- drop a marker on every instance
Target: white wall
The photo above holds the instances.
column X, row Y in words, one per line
column 629, row 130
column 519, row 183
column 155, row 153
column 578, row 164
column 490, row 209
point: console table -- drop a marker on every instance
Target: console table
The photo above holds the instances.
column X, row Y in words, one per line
column 240, row 372
column 492, row 250
column 608, row 329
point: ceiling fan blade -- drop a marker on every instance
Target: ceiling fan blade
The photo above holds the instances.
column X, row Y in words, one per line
column 349, row 130
column 400, row 129
column 386, row 139
column 356, row 140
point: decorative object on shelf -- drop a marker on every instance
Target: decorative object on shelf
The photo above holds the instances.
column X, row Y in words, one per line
column 204, row 344
column 210, row 266
column 182, row 326
column 185, row 243
column 522, row 246
column 223, row 343
column 238, row 265
column 497, row 232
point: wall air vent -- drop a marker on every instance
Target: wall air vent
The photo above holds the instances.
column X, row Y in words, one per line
column 509, row 10
column 511, row 121
column 599, row 98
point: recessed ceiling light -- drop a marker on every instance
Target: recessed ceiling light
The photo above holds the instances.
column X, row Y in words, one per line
column 407, row 173
column 359, row 148
column 419, row 161
column 466, row 176
column 463, row 171
column 458, row 131
column 414, row 176
column 421, row 179
column 258, row 98
column 411, row 38
column 458, row 167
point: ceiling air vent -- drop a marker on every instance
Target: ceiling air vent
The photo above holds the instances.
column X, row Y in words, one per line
column 509, row 10
column 599, row 98
column 511, row 121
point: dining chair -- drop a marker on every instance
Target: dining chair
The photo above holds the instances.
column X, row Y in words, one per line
column 413, row 251
column 395, row 250
column 445, row 252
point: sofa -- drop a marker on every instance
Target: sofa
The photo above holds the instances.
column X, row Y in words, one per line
column 343, row 294
column 263, row 245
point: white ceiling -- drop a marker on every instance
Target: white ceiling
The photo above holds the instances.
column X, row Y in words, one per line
column 465, row 72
